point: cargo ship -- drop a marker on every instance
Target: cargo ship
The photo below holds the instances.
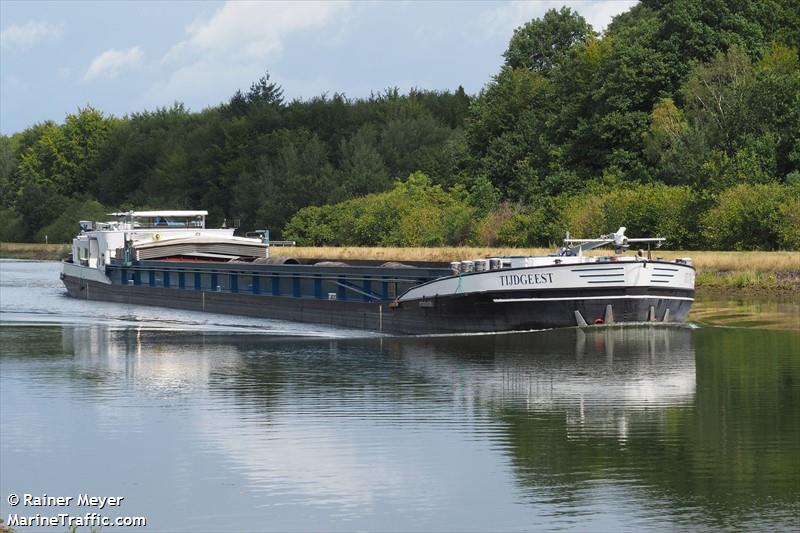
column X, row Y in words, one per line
column 170, row 259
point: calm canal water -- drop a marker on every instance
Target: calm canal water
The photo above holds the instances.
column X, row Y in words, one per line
column 206, row 422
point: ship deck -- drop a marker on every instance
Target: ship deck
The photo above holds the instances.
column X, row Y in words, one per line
column 365, row 281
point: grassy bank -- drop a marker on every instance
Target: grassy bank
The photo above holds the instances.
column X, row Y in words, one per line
column 716, row 270
column 23, row 250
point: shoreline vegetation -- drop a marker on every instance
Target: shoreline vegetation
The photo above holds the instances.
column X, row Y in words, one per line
column 745, row 271
column 35, row 251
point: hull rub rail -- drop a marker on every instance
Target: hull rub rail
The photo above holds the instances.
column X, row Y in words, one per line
column 564, row 299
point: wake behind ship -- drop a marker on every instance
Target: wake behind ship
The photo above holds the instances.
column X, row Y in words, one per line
column 170, row 259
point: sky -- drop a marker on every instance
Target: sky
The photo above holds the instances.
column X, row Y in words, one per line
column 123, row 57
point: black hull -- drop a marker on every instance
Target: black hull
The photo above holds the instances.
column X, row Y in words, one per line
column 471, row 313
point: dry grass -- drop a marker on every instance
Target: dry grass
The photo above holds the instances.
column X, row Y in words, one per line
column 704, row 261
column 445, row 254
column 23, row 250
column 740, row 261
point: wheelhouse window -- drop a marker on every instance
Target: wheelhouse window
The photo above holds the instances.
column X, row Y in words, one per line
column 159, row 221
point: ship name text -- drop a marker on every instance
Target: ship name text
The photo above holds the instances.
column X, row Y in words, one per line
column 510, row 280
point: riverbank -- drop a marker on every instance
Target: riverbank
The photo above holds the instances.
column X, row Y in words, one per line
column 742, row 271
column 25, row 250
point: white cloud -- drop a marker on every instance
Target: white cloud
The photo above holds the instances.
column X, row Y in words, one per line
column 29, row 34
column 599, row 14
column 253, row 29
column 511, row 15
column 229, row 49
column 112, row 61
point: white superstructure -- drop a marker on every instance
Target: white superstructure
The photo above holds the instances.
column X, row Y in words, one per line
column 136, row 235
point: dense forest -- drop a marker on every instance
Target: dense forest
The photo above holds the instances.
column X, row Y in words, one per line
column 682, row 119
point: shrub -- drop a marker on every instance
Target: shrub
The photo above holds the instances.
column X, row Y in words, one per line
column 12, row 228
column 488, row 229
column 310, row 226
column 515, row 229
column 645, row 210
column 788, row 223
column 413, row 213
column 748, row 217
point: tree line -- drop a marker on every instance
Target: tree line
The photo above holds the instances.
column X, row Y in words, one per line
column 682, row 119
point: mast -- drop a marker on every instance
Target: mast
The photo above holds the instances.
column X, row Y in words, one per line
column 618, row 239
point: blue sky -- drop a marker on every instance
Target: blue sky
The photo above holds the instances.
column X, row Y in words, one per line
column 122, row 57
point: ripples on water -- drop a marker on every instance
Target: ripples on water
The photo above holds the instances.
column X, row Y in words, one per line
column 217, row 422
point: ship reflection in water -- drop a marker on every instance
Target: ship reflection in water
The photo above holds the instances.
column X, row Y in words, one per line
column 608, row 428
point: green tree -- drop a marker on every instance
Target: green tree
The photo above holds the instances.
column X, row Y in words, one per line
column 8, row 163
column 541, row 44
column 264, row 92
column 504, row 130
column 362, row 170
column 667, row 125
column 773, row 105
column 39, row 204
column 754, row 162
column 66, row 225
column 716, row 95
column 298, row 175
column 12, row 227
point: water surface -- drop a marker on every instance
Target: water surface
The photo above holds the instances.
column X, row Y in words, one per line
column 210, row 422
